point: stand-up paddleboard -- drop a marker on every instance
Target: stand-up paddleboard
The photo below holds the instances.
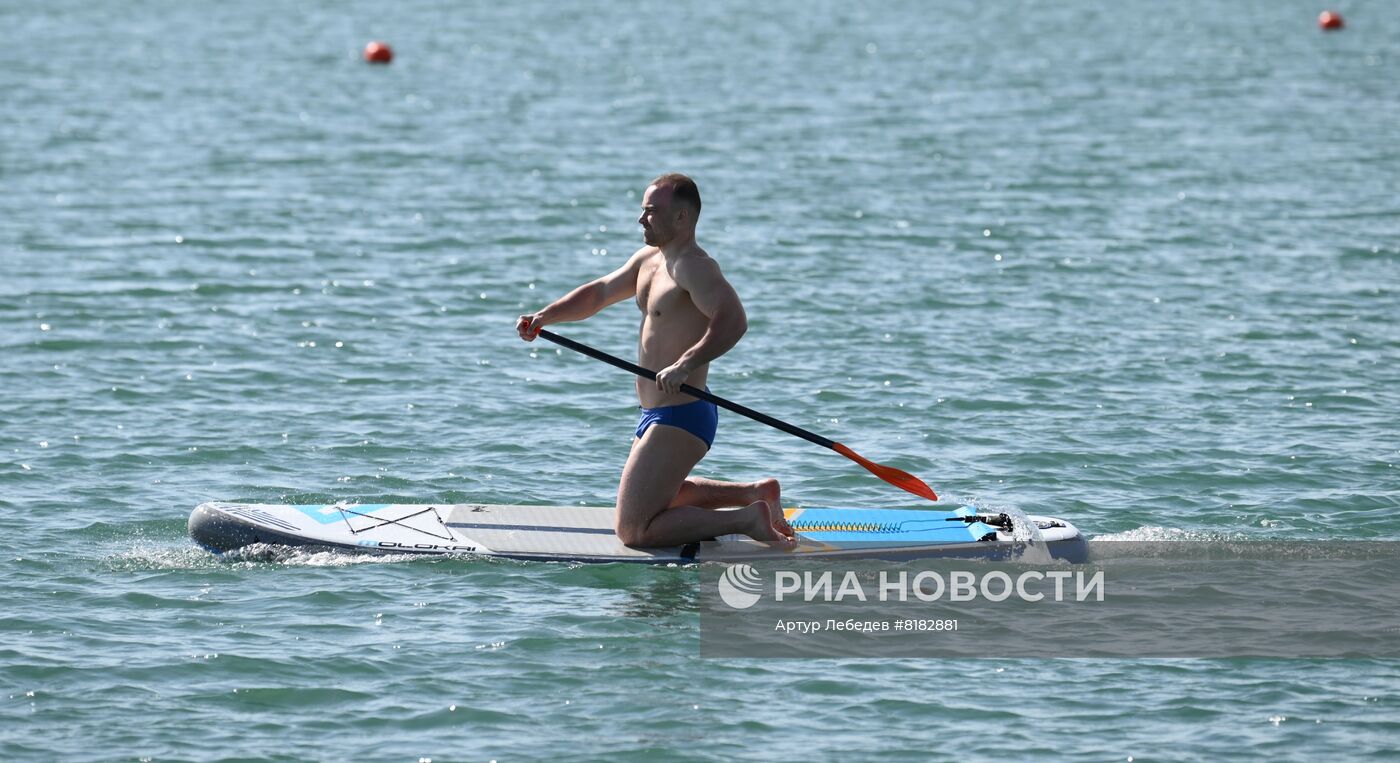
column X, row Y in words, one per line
column 585, row 534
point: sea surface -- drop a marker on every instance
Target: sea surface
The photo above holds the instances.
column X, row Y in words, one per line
column 1134, row 264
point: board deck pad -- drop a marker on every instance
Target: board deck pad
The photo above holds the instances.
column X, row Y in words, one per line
column 581, row 533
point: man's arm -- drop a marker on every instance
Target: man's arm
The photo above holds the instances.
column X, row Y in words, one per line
column 586, row 300
column 717, row 301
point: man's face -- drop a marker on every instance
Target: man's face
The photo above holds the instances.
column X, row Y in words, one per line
column 658, row 220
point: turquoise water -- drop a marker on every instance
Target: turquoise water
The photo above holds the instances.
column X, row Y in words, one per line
column 1131, row 265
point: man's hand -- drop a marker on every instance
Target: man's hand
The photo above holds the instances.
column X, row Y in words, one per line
column 670, row 378
column 528, row 326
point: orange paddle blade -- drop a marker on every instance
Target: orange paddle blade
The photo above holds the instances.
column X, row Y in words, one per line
column 897, row 477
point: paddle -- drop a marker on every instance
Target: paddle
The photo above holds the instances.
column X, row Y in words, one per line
column 900, row 479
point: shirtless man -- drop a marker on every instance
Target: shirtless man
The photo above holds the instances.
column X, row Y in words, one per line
column 690, row 316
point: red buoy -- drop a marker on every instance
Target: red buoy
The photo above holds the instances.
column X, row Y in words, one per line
column 378, row 53
column 1330, row 20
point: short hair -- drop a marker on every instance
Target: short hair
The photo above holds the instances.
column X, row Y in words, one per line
column 682, row 188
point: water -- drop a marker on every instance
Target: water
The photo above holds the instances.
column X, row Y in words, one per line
column 1134, row 266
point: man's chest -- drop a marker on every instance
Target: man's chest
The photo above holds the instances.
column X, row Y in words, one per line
column 658, row 293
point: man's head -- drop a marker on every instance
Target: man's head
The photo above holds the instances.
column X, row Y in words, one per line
column 670, row 208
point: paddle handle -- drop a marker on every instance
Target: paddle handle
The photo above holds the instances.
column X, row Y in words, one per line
column 797, row 431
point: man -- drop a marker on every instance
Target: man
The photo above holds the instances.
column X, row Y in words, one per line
column 690, row 316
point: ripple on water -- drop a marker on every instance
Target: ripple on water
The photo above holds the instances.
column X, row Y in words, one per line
column 235, row 281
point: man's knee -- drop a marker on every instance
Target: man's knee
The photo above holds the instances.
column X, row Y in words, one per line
column 655, row 476
column 631, row 533
column 631, row 520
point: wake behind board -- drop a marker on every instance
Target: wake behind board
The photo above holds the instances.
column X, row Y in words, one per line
column 585, row 534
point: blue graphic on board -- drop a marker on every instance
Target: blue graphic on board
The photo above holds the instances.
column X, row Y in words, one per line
column 328, row 513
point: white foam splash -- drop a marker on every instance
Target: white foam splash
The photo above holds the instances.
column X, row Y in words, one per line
column 148, row 557
column 1160, row 534
column 289, row 556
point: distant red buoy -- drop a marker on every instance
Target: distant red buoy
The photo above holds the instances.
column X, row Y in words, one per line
column 1330, row 20
column 378, row 53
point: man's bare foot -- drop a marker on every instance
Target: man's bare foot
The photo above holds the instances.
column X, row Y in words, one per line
column 764, row 528
column 771, row 492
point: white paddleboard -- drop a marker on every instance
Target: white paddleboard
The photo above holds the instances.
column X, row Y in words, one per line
column 585, row 534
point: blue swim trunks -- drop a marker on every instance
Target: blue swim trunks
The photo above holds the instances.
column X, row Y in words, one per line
column 700, row 418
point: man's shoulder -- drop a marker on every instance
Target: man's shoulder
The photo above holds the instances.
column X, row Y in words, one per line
column 697, row 266
column 697, row 259
column 644, row 254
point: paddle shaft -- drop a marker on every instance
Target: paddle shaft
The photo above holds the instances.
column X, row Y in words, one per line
column 897, row 477
column 764, row 418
